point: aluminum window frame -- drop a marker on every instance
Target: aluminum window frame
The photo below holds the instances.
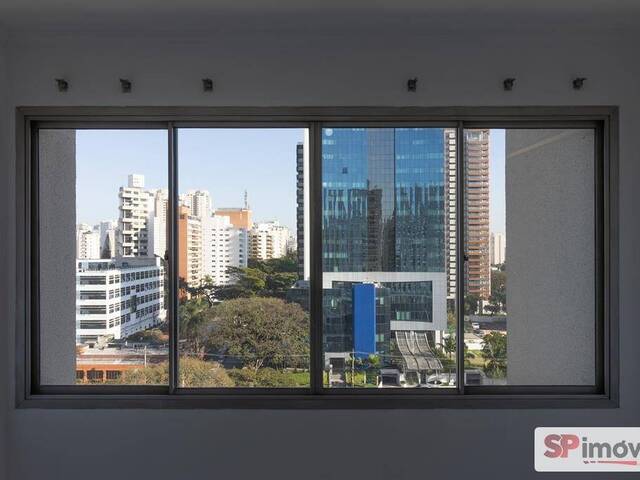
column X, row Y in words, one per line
column 30, row 394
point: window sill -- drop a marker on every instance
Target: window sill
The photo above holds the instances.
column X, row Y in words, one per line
column 317, row 402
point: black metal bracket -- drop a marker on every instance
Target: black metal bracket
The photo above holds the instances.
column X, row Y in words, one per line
column 207, row 85
column 578, row 83
column 63, row 85
column 508, row 84
column 412, row 85
column 125, row 85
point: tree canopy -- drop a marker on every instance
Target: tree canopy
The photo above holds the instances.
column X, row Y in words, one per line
column 259, row 332
column 260, row 278
column 191, row 373
column 494, row 352
column 498, row 296
column 192, row 325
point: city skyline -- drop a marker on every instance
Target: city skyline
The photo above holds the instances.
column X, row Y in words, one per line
column 386, row 199
column 247, row 158
column 139, row 151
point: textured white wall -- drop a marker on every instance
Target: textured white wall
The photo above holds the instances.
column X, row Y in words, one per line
column 57, row 169
column 302, row 69
column 550, row 267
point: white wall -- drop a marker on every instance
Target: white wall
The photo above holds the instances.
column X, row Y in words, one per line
column 550, row 260
column 300, row 69
column 57, row 171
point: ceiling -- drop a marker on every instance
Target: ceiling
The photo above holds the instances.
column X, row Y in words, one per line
column 148, row 15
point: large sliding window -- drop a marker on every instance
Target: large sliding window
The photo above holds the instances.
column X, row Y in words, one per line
column 318, row 257
column 243, row 313
column 388, row 311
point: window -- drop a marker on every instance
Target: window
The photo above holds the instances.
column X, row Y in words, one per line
column 113, row 375
column 243, row 321
column 321, row 258
column 388, row 314
column 101, row 172
column 530, row 238
column 95, row 375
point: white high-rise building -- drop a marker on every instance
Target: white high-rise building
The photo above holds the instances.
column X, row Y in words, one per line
column 87, row 242
column 161, row 204
column 450, row 210
column 158, row 224
column 108, row 234
column 268, row 240
column 498, row 248
column 199, row 202
column 118, row 297
column 223, row 246
column 135, row 180
column 189, row 247
column 136, row 213
column 292, row 243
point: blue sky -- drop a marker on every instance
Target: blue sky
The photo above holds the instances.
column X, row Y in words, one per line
column 229, row 161
column 497, row 196
column 104, row 158
column 224, row 161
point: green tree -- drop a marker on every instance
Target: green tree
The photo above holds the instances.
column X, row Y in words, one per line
column 468, row 355
column 245, row 282
column 494, row 352
column 153, row 336
column 493, row 308
column 259, row 332
column 278, row 283
column 449, row 345
column 286, row 264
column 498, row 296
column 206, row 290
column 192, row 373
column 192, row 325
column 452, row 321
column 373, row 362
column 268, row 377
column 471, row 303
column 262, row 280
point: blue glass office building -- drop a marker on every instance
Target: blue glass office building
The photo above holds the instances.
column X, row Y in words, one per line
column 383, row 224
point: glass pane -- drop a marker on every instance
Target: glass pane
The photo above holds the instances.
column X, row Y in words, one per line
column 535, row 188
column 244, row 300
column 103, row 204
column 388, row 241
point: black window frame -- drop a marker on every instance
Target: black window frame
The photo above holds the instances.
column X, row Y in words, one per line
column 30, row 394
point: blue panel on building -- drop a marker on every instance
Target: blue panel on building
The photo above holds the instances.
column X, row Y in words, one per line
column 364, row 319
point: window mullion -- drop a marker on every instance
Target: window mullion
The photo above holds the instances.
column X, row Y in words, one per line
column 460, row 255
column 315, row 244
column 172, row 242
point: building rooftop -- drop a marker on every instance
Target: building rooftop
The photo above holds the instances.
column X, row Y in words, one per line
column 122, row 356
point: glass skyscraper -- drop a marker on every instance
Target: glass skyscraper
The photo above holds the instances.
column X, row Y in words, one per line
column 383, row 224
